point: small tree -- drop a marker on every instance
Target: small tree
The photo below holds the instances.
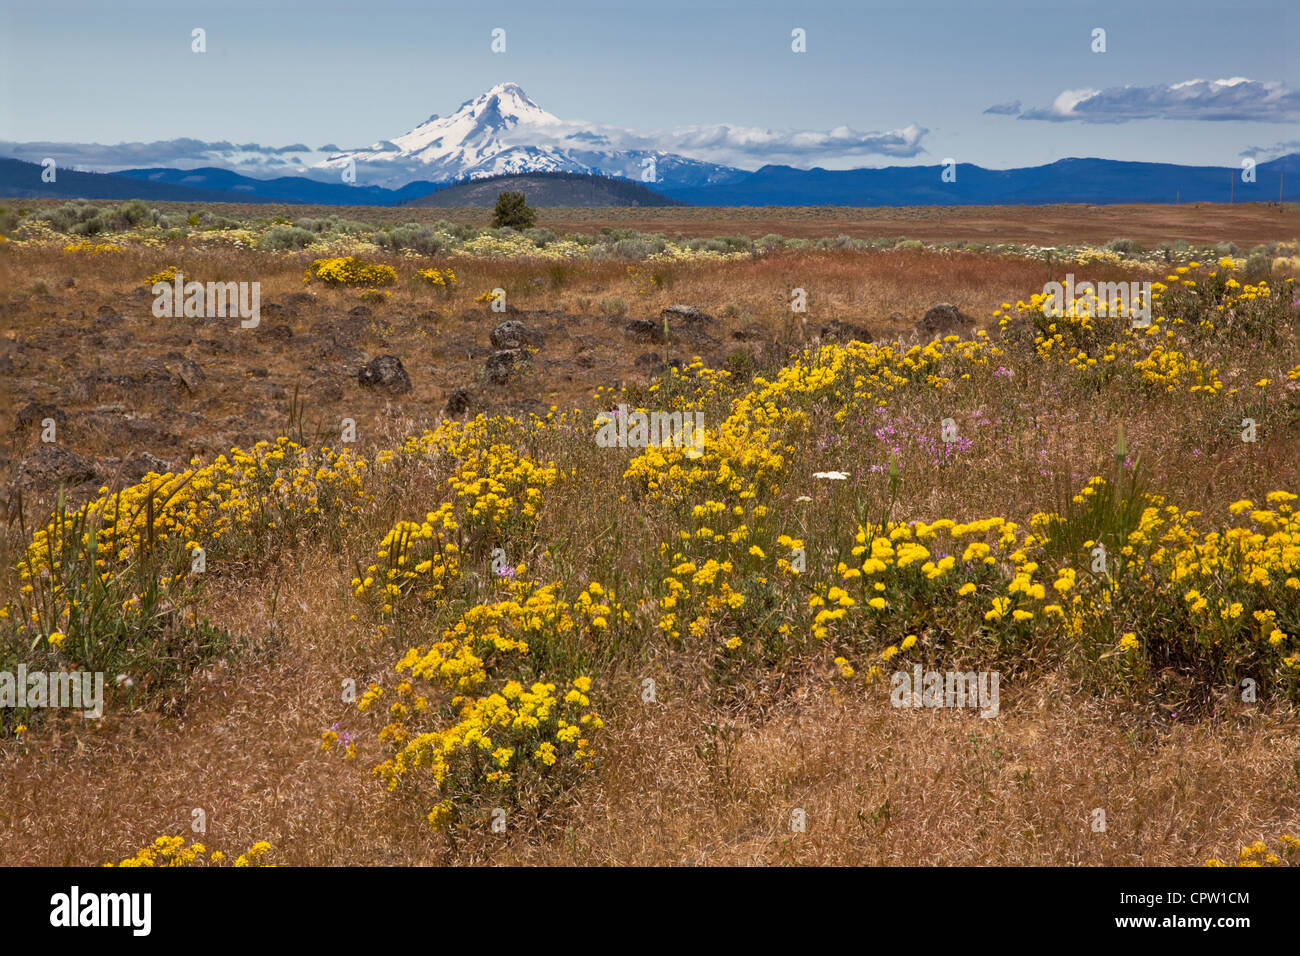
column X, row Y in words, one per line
column 513, row 212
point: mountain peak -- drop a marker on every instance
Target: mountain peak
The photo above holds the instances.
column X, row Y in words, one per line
column 504, row 131
column 507, row 87
column 510, row 101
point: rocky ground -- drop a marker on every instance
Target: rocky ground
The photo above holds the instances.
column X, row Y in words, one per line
column 128, row 393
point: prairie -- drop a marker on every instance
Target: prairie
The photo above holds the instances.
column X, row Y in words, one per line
column 476, row 634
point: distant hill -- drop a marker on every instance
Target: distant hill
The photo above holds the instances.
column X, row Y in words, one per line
column 1094, row 181
column 548, row 189
column 295, row 189
column 1097, row 181
column 22, row 180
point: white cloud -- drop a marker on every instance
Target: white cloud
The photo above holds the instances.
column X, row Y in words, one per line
column 744, row 146
column 1234, row 98
column 1264, row 153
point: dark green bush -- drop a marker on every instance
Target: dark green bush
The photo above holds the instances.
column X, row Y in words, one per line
column 513, row 212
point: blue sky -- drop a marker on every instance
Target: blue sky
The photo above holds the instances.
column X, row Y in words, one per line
column 278, row 73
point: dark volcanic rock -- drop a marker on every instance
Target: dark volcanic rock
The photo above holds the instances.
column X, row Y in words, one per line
column 645, row 330
column 188, row 374
column 49, row 465
column 686, row 316
column 385, row 372
column 838, row 331
column 134, row 469
column 502, row 365
column 515, row 335
column 458, row 402
column 651, row 362
column 944, row 319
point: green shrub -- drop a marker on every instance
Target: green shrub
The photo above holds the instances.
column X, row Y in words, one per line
column 286, row 237
column 414, row 236
column 458, row 231
column 336, row 225
column 735, row 243
column 708, row 245
column 613, row 306
column 130, row 215
column 1258, row 266
column 67, row 217
column 640, row 248
column 513, row 212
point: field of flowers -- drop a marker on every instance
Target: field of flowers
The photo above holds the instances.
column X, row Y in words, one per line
column 1070, row 501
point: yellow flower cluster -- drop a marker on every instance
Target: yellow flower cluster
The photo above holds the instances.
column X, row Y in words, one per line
column 525, row 732
column 270, row 486
column 350, row 271
column 171, row 851
column 164, row 275
column 699, row 598
column 439, row 278
column 1257, row 854
column 93, row 248
column 494, row 492
column 1190, row 307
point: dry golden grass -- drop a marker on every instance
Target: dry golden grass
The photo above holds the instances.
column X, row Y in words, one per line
column 937, row 788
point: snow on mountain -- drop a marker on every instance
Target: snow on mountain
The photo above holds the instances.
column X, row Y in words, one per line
column 504, row 131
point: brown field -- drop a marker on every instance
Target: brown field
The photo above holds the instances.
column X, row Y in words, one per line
column 241, row 738
column 1246, row 224
column 318, row 345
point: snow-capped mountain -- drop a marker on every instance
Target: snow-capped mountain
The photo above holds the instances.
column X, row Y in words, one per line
column 504, row 131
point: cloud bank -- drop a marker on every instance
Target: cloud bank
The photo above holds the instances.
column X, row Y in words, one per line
column 1234, row 99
